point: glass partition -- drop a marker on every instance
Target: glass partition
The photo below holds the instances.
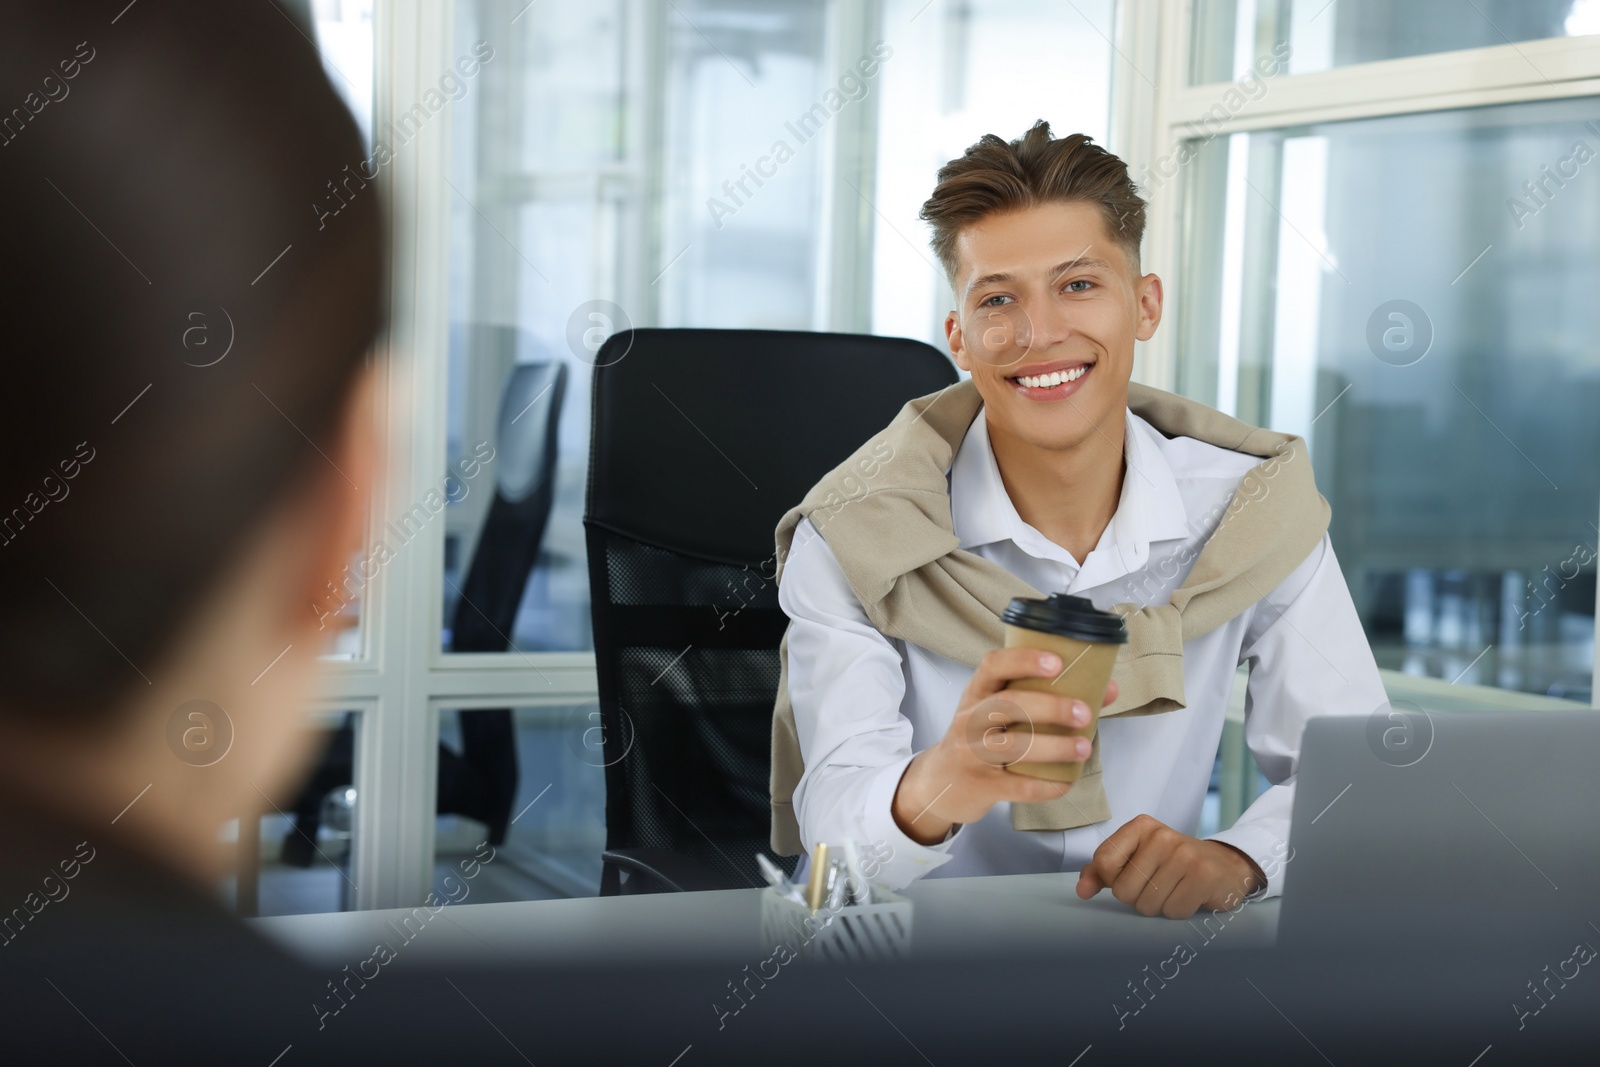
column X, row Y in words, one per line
column 527, row 828
column 545, row 184
column 295, row 855
column 1415, row 296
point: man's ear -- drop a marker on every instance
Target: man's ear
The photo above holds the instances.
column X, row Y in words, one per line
column 957, row 341
column 1149, row 295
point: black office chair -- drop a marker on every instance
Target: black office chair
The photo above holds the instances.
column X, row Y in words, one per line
column 480, row 781
column 701, row 440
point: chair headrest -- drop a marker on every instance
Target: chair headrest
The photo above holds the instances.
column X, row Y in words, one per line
column 702, row 439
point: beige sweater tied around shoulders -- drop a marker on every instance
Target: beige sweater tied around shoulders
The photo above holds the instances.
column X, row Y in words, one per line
column 885, row 515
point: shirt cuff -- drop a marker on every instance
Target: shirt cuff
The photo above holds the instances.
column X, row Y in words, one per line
column 1269, row 851
column 900, row 860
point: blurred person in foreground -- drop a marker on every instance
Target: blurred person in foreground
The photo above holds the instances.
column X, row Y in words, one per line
column 188, row 450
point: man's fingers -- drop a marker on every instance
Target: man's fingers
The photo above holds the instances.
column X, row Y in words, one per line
column 1026, row 789
column 1148, row 852
column 1022, row 725
column 1158, row 887
column 992, row 736
column 1185, row 898
column 1032, row 747
column 1114, row 851
column 1032, row 707
column 1112, row 692
column 1137, row 876
column 1005, row 665
column 1050, row 709
column 1089, row 882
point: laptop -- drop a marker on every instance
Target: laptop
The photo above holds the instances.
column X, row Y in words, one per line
column 1418, row 827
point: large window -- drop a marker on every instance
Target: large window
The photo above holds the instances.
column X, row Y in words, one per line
column 559, row 172
column 708, row 163
column 1414, row 294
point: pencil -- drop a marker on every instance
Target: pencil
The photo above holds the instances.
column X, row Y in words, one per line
column 819, row 873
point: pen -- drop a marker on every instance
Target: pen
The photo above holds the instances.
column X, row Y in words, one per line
column 769, row 870
column 838, row 881
column 779, row 881
column 819, row 872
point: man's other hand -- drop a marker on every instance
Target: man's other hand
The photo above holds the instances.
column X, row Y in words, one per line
column 1159, row 871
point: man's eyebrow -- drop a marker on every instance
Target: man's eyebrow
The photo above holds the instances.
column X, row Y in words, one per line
column 1077, row 263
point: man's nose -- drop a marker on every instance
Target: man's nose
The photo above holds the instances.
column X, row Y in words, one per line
column 1044, row 325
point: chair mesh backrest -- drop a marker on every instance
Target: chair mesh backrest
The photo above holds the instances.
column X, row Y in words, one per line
column 702, row 439
column 690, row 704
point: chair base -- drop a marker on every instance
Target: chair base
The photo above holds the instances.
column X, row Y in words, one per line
column 654, row 870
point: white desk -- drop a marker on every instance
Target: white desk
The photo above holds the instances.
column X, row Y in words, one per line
column 953, row 916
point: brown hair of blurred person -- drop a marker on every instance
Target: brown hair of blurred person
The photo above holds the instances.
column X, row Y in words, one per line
column 168, row 513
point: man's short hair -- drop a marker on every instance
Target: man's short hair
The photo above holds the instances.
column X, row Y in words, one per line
column 178, row 183
column 995, row 176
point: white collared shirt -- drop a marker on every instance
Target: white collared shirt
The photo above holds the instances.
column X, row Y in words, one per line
column 865, row 703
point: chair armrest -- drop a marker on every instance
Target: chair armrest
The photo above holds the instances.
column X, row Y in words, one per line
column 672, row 871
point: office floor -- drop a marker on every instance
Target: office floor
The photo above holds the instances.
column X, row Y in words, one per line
column 291, row 891
column 286, row 890
column 552, row 849
column 522, row 868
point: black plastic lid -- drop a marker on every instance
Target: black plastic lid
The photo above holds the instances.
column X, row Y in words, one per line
column 1067, row 616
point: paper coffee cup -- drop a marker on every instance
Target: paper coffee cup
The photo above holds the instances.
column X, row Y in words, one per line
column 1087, row 640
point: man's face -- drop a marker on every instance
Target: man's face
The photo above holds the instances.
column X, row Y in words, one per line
column 1048, row 308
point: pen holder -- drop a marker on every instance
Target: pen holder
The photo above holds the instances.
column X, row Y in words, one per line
column 855, row 933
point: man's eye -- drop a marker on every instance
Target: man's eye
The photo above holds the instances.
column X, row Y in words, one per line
column 993, row 301
column 1087, row 285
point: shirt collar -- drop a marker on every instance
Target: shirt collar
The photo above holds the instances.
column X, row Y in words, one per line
column 1150, row 508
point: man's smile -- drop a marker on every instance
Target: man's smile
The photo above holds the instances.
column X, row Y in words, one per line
column 1051, row 381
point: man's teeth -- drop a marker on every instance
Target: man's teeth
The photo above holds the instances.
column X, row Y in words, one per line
column 1050, row 381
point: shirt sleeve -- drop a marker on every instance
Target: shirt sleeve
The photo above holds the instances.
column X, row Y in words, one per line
column 1308, row 656
column 846, row 685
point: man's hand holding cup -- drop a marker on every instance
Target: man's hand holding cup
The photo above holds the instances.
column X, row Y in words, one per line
column 967, row 772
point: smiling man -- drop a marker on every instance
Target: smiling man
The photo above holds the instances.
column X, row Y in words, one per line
column 1048, row 472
